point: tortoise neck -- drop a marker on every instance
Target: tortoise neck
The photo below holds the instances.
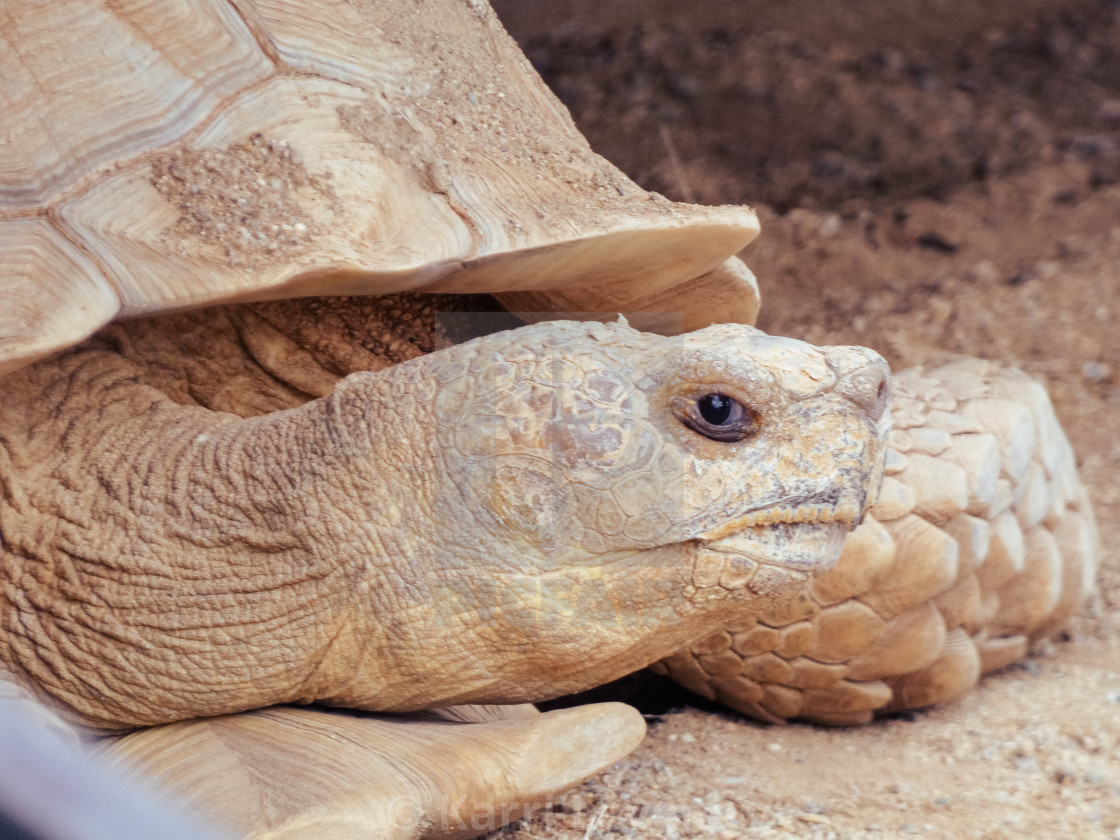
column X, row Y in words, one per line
column 145, row 543
column 254, row 358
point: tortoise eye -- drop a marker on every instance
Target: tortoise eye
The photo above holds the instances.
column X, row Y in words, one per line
column 720, row 417
column 716, row 408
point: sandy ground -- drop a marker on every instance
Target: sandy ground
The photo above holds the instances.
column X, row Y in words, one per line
column 933, row 178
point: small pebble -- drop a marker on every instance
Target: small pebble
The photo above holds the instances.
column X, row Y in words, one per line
column 1109, row 109
column 829, row 226
column 934, row 241
column 985, row 271
column 1025, row 747
column 1048, row 268
column 1096, row 371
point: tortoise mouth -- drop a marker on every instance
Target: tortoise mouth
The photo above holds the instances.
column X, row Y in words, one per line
column 770, row 550
column 804, row 546
column 810, row 514
column 846, row 512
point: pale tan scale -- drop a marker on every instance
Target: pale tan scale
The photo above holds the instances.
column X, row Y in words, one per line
column 1032, row 502
column 925, row 563
column 895, row 498
column 1077, row 541
column 973, row 537
column 1056, row 502
column 1004, row 497
column 906, row 416
column 758, row 639
column 767, row 668
column 978, row 455
column 952, row 422
column 808, row 673
column 706, row 571
column 957, row 663
column 847, row 700
column 980, row 543
column 723, row 664
column 1014, row 427
column 796, row 639
column 737, row 572
column 846, row 630
column 1036, row 590
column 789, row 610
column 999, row 652
column 925, row 440
column 867, row 556
column 894, row 462
column 737, row 690
column 961, row 603
column 1006, row 553
column 940, row 487
column 910, row 640
column 714, row 644
column 687, row 671
column 778, row 701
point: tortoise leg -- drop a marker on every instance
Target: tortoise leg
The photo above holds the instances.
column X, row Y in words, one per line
column 293, row 772
column 981, row 543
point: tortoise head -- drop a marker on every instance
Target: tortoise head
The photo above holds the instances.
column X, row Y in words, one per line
column 598, row 488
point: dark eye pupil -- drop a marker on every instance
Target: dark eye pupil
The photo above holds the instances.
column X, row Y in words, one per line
column 715, row 408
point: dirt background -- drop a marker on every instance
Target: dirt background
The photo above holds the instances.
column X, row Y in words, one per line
column 933, row 178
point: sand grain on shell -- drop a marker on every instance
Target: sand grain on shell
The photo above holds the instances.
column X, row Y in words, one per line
column 250, row 200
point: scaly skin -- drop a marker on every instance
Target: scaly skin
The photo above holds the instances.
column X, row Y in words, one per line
column 982, row 542
column 511, row 519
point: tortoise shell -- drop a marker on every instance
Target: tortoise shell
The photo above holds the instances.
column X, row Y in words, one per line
column 169, row 155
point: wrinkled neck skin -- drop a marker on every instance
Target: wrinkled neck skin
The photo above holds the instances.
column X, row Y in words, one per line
column 438, row 532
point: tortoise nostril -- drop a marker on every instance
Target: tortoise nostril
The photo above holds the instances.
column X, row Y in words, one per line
column 869, row 387
column 863, row 377
column 879, row 385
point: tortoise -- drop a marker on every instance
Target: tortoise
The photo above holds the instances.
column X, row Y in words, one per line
column 271, row 162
